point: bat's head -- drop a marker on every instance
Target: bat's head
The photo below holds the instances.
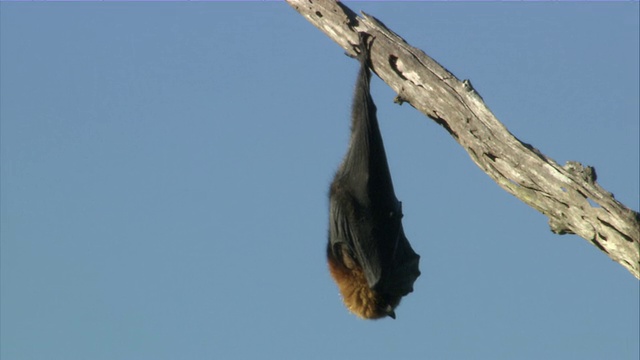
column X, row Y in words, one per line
column 357, row 295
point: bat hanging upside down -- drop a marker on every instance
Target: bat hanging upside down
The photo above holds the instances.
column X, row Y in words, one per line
column 369, row 256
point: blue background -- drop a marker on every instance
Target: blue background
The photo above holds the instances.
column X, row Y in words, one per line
column 165, row 169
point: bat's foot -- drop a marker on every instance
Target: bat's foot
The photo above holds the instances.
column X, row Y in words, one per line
column 364, row 47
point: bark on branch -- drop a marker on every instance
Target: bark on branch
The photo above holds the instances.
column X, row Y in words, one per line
column 568, row 195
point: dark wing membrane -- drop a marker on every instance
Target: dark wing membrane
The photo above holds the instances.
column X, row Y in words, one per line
column 347, row 227
column 404, row 269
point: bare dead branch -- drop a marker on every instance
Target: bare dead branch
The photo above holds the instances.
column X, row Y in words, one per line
column 564, row 194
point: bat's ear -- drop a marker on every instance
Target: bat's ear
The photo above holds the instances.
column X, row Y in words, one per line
column 391, row 313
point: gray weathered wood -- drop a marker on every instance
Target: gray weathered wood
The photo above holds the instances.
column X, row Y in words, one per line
column 562, row 193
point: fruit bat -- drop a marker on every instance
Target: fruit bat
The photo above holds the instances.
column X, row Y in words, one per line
column 368, row 253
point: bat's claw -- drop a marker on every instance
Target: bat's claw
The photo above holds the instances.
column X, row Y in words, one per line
column 364, row 45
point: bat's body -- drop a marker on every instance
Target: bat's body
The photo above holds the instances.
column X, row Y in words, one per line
column 369, row 256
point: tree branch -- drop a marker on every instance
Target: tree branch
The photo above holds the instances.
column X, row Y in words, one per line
column 568, row 195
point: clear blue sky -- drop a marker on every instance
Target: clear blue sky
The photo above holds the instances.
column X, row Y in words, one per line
column 165, row 168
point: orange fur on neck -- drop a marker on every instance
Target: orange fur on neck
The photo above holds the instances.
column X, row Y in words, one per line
column 358, row 297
